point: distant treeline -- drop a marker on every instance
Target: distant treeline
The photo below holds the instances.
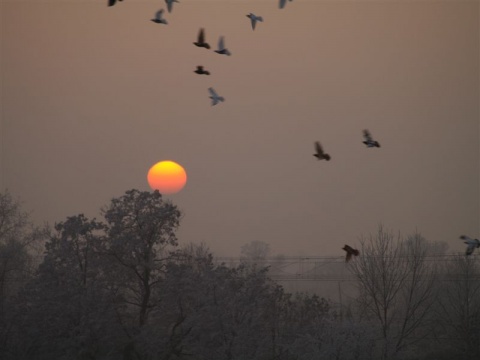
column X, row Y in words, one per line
column 123, row 288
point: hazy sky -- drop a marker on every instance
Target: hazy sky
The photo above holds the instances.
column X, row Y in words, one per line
column 92, row 96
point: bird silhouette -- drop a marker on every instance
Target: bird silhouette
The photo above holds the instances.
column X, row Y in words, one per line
column 158, row 17
column 368, row 140
column 472, row 244
column 282, row 3
column 221, row 47
column 112, row 2
column 253, row 19
column 201, row 71
column 350, row 251
column 320, row 154
column 215, row 97
column 201, row 40
column 170, row 4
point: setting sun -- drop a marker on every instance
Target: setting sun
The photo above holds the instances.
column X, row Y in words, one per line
column 168, row 177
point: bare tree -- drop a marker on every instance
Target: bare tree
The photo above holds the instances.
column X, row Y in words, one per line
column 74, row 246
column 68, row 300
column 396, row 286
column 458, row 307
column 140, row 228
column 18, row 238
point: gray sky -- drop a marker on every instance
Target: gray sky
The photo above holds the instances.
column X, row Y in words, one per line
column 92, row 96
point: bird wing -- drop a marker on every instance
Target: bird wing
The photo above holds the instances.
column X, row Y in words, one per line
column 367, row 135
column 282, row 4
column 159, row 13
column 348, row 257
column 464, row 237
column 213, row 93
column 318, row 147
column 253, row 21
column 201, row 36
column 111, row 2
column 221, row 45
column 169, row 5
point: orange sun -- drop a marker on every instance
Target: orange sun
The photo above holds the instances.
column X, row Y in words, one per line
column 168, row 177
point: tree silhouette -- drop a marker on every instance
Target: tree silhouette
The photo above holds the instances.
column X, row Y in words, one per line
column 396, row 286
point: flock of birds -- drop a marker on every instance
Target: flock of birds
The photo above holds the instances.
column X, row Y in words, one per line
column 281, row 4
column 320, row 154
column 222, row 50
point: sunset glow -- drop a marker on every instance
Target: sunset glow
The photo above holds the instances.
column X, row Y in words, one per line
column 168, row 177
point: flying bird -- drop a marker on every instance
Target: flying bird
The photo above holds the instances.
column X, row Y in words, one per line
column 221, row 47
column 320, row 154
column 201, row 71
column 112, row 2
column 253, row 19
column 158, row 17
column 350, row 251
column 282, row 3
column 170, row 4
column 368, row 140
column 471, row 244
column 215, row 97
column 201, row 40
